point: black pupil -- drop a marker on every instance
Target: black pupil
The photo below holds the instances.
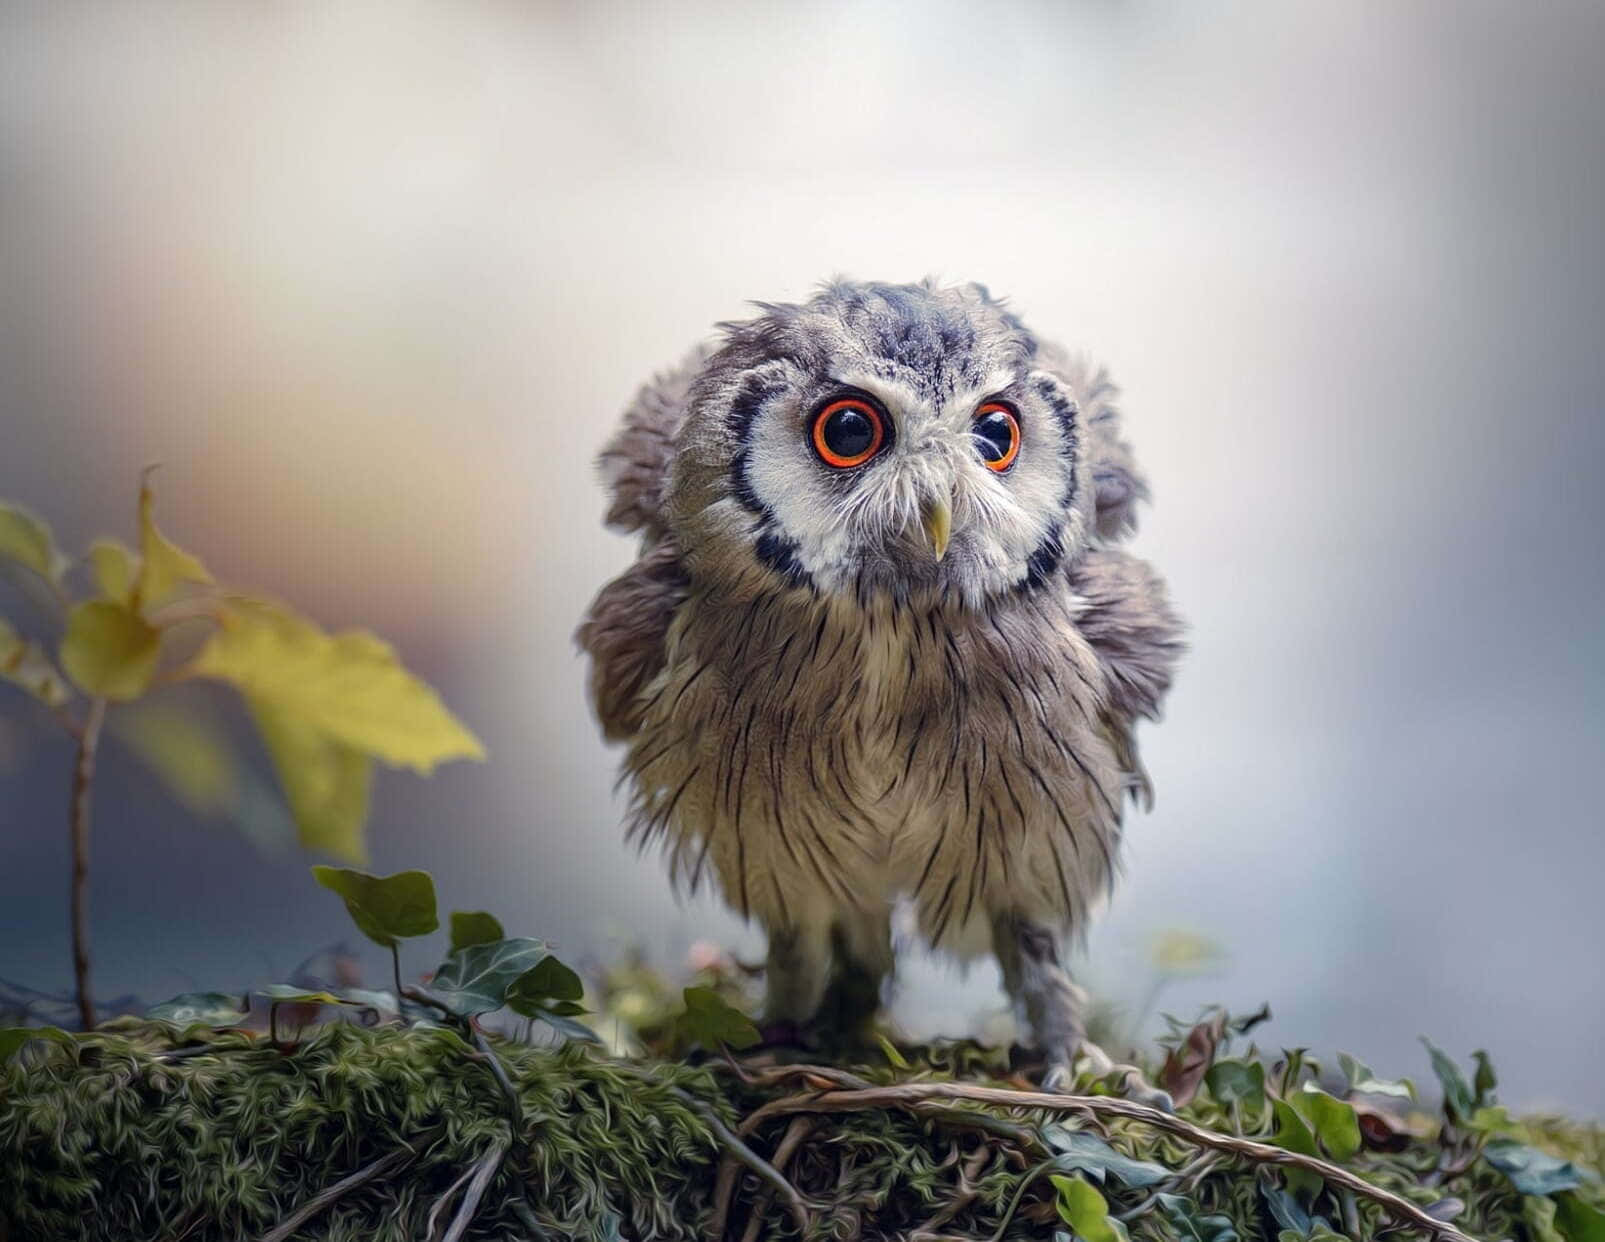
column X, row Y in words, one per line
column 994, row 436
column 849, row 432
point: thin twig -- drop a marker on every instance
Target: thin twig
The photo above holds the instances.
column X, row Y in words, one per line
column 910, row 1095
column 442, row 1203
column 789, row 1142
column 287, row 1227
column 476, row 1189
column 748, row 1157
column 968, row 1188
column 502, row 1080
column 83, row 776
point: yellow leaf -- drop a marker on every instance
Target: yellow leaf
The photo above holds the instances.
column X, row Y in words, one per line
column 193, row 759
column 113, row 566
column 163, row 565
column 27, row 540
column 325, row 781
column 349, row 686
column 25, row 664
column 109, row 650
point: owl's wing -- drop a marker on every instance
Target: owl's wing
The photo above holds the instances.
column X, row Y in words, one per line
column 1120, row 484
column 1127, row 618
column 625, row 630
column 635, row 462
column 624, row 635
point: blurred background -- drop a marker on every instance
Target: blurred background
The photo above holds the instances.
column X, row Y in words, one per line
column 373, row 282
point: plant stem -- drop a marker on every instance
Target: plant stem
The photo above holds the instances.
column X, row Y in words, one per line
column 83, row 776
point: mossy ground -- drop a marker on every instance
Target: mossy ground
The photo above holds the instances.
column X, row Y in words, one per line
column 116, row 1137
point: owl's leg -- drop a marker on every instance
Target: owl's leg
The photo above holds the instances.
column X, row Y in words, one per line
column 862, row 940
column 1037, row 981
column 796, row 974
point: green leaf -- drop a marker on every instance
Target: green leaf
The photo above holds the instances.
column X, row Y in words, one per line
column 25, row 664
column 26, row 540
column 200, row 1009
column 549, row 979
column 1083, row 1152
column 349, row 686
column 1238, row 1082
column 1363, row 1081
column 1085, row 1210
column 1531, row 1171
column 1538, row 1214
column 1485, row 1080
column 474, row 927
column 115, row 569
column 1293, row 1135
column 477, row 979
column 896, row 1059
column 288, row 993
column 385, row 908
column 1458, row 1101
column 1579, row 1221
column 1183, row 1214
column 14, row 1037
column 325, row 781
column 1333, row 1121
column 192, row 757
column 163, row 565
column 110, row 651
column 565, row 1008
column 709, row 1021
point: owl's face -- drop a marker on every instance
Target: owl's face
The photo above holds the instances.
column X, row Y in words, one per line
column 880, row 440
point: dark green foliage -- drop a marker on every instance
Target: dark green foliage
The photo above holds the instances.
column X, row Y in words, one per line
column 132, row 1132
column 108, row 1141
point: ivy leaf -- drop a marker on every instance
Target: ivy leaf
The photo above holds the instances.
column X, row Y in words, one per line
column 349, row 686
column 477, row 979
column 1579, row 1221
column 709, row 1021
column 1361, row 1080
column 1458, row 1100
column 1288, row 1213
column 109, row 650
column 549, row 979
column 163, row 565
column 1332, row 1120
column 1085, row 1210
column 115, row 569
column 474, row 927
column 325, row 782
column 384, row 908
column 1183, row 1214
column 1293, row 1135
column 27, row 540
column 14, row 1037
column 1081, row 1152
column 24, row 664
column 1531, row 1171
column 1237, row 1082
column 200, row 1009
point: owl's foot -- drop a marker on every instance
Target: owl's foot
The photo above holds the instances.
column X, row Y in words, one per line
column 1060, row 1076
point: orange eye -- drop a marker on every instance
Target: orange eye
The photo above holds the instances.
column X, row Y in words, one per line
column 997, row 435
column 848, row 432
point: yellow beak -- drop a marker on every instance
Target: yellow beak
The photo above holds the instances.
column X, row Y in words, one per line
column 938, row 523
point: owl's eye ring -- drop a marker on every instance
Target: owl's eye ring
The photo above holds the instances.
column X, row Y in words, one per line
column 996, row 432
column 848, row 431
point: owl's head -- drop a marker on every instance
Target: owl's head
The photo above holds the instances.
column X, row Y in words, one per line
column 902, row 440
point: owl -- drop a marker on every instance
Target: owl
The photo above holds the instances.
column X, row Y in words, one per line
column 883, row 643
